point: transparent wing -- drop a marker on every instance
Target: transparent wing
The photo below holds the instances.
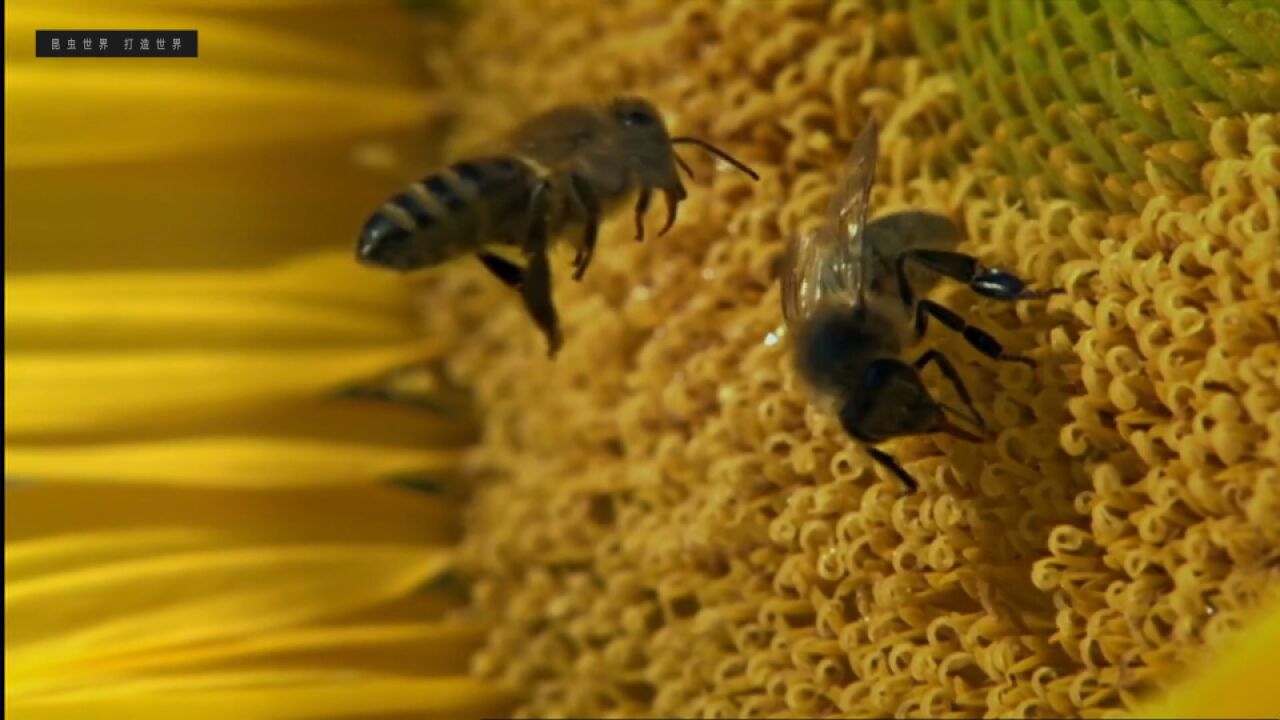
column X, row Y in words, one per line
column 802, row 276
column 828, row 264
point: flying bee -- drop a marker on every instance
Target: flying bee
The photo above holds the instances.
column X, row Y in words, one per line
column 564, row 169
column 850, row 298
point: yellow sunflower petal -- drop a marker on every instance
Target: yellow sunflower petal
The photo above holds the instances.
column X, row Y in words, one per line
column 255, row 462
column 210, row 209
column 51, row 529
column 338, row 419
column 428, row 648
column 345, row 420
column 49, row 555
column 317, row 300
column 201, row 103
column 202, row 534
column 237, row 5
column 1239, row 682
column 328, row 279
column 49, row 392
column 181, row 598
column 77, row 318
column 264, row 41
column 252, row 84
column 279, row 696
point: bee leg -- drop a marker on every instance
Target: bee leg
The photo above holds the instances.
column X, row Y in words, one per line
column 536, row 291
column 988, row 282
column 536, row 288
column 674, row 197
column 978, row 338
column 949, row 370
column 585, row 198
column 886, row 460
column 642, row 206
column 508, row 272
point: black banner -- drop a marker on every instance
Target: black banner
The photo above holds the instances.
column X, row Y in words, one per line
column 116, row 43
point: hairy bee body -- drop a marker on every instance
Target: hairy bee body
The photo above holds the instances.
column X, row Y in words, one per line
column 852, row 297
column 884, row 322
column 449, row 214
column 562, row 170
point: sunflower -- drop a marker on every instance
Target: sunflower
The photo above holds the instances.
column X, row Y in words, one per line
column 673, row 529
column 224, row 497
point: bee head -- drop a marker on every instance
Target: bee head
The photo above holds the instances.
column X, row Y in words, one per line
column 651, row 151
column 637, row 114
column 648, row 145
column 890, row 401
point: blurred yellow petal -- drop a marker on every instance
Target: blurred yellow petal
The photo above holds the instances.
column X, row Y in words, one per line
column 181, row 598
column 233, row 195
column 295, row 79
column 199, row 518
column 237, row 5
column 47, row 392
column 1239, row 681
column 59, row 528
column 347, row 420
column 247, row 42
column 357, row 40
column 237, row 209
column 336, row 419
column 229, row 461
column 320, row 300
column 326, row 279
column 171, row 109
column 73, row 321
column 48, row 555
column 428, row 648
column 78, row 324
column 330, row 278
column 275, row 696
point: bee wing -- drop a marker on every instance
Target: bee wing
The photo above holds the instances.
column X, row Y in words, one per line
column 801, row 273
column 829, row 262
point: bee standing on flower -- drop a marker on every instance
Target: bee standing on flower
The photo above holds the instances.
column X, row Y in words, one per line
column 849, row 298
column 563, row 169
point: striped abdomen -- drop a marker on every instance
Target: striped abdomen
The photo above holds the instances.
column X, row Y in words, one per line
column 448, row 214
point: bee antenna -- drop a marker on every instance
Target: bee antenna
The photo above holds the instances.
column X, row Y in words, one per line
column 718, row 153
column 684, row 166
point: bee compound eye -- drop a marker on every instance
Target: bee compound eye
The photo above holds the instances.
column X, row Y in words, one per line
column 506, row 166
column 877, row 374
column 470, row 172
column 638, row 118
